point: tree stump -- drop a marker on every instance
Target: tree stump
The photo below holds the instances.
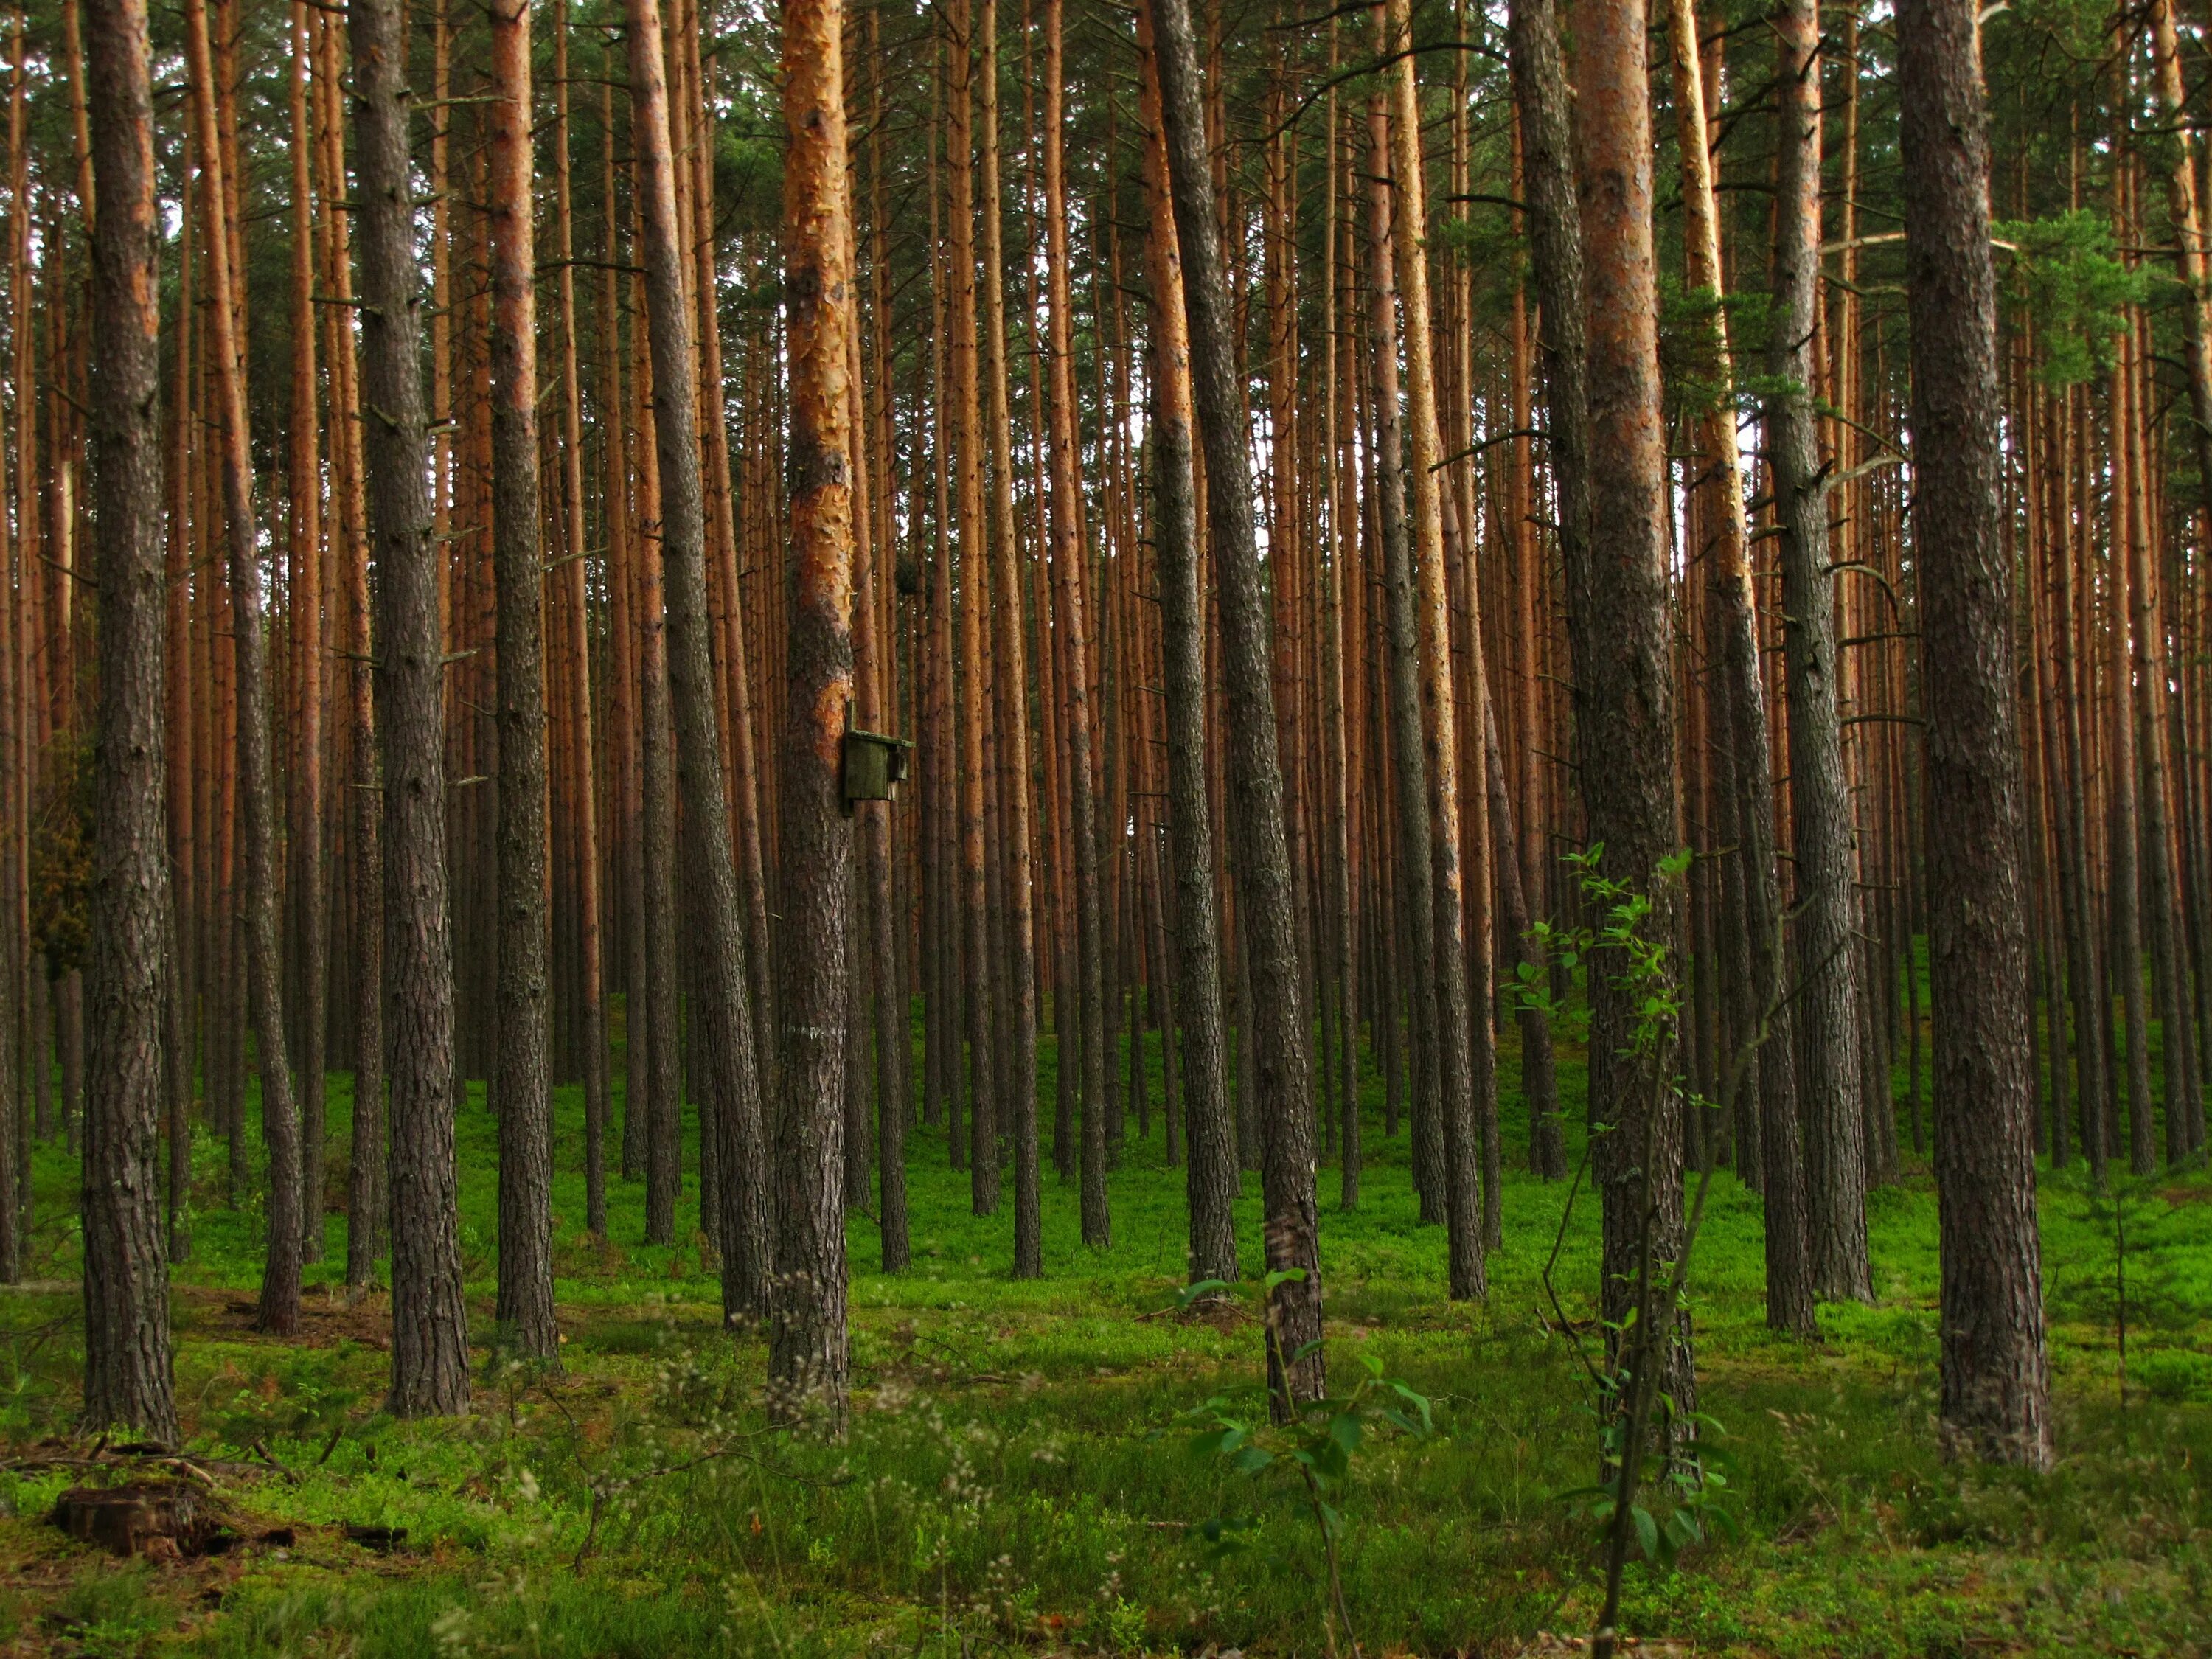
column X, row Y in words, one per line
column 163, row 1519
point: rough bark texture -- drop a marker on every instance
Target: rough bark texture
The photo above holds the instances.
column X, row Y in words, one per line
column 257, row 829
column 1620, row 639
column 523, row 999
column 1540, row 97
column 1281, row 1069
column 808, row 1359
column 1744, row 755
column 730, row 1090
column 1828, row 1001
column 429, row 1324
column 1995, row 1380
column 1210, row 1174
column 128, row 1379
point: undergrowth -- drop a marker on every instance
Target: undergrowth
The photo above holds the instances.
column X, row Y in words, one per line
column 1012, row 1480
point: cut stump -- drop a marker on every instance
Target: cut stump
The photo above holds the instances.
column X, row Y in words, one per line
column 163, row 1519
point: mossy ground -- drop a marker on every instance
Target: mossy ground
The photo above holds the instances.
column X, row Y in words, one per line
column 1006, row 1485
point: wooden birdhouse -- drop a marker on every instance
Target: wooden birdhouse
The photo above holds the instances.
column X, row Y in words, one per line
column 875, row 764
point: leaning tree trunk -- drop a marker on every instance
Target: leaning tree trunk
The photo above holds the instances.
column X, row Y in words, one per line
column 1745, row 755
column 1210, row 1173
column 1827, row 1015
column 524, row 1087
column 429, row 1324
column 732, row 1084
column 128, row 1378
column 1995, row 1377
column 808, row 1360
column 1282, row 1067
column 1459, row 864
column 279, row 1117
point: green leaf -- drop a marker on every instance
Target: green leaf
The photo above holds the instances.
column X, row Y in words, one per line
column 1420, row 1402
column 1647, row 1531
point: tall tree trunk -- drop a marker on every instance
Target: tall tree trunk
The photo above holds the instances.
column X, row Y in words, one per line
column 1462, row 898
column 973, row 542
column 2125, row 530
column 1764, row 1016
column 808, row 1360
column 1620, row 637
column 429, row 1338
column 582, row 761
column 1011, row 680
column 1542, row 100
column 310, row 915
column 1416, row 864
column 524, row 1077
column 280, row 1280
column 1070, row 568
column 732, row 1084
column 2150, row 674
column 1827, row 1024
column 1996, row 1379
column 1209, row 1170
column 369, row 1187
column 128, row 1375
column 1282, row 1074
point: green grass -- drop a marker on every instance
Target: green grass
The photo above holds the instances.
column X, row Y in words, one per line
column 1015, row 1476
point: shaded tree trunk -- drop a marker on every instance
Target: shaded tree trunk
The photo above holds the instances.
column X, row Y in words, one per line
column 1209, row 1175
column 1995, row 1380
column 1827, row 1014
column 128, row 1380
column 429, row 1338
column 732, row 1084
column 1281, row 1070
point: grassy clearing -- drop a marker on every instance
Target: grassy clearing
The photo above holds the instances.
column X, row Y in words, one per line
column 1016, row 1477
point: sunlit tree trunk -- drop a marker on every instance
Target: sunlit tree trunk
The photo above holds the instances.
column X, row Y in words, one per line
column 808, row 1359
column 1620, row 634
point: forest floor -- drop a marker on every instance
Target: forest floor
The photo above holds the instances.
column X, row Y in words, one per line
column 1018, row 1475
